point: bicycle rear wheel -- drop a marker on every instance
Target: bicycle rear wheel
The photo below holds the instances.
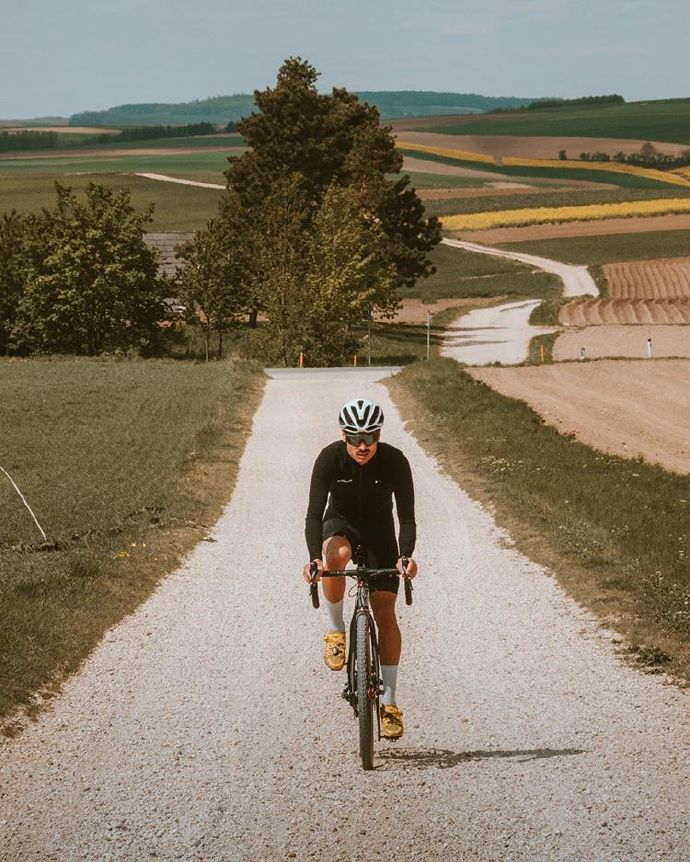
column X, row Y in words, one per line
column 366, row 696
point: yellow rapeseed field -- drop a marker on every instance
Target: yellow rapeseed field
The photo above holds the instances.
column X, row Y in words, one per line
column 460, row 155
column 592, row 212
column 674, row 178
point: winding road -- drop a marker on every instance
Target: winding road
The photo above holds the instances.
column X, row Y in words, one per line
column 205, row 726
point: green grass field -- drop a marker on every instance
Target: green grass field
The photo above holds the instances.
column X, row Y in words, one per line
column 597, row 250
column 607, row 526
column 207, row 167
column 629, row 181
column 177, row 207
column 422, row 180
column 463, row 275
column 123, row 463
column 664, row 120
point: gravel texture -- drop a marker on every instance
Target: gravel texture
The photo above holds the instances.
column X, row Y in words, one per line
column 501, row 333
column 205, row 726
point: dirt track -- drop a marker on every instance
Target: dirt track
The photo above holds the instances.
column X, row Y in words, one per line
column 604, row 227
column 627, row 408
column 205, row 727
column 605, row 341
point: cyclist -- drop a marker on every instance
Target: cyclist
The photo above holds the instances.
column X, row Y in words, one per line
column 351, row 503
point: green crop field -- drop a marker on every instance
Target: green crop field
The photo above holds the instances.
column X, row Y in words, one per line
column 552, row 198
column 597, row 250
column 177, row 207
column 666, row 120
column 422, row 180
column 207, row 167
column 555, row 173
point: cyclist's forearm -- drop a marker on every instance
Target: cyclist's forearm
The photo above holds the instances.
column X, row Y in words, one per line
column 407, row 537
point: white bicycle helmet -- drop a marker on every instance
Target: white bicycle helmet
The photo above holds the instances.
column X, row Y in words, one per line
column 360, row 416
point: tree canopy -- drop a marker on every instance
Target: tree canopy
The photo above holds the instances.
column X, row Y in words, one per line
column 81, row 280
column 324, row 229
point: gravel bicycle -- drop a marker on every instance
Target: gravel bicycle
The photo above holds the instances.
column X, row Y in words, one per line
column 364, row 685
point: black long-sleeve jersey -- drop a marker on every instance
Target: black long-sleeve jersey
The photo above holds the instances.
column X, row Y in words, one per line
column 362, row 494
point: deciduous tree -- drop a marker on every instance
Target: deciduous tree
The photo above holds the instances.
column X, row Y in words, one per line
column 92, row 282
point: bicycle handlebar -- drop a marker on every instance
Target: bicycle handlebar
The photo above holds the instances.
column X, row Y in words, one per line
column 354, row 573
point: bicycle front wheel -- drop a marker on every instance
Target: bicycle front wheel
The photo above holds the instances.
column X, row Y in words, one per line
column 366, row 695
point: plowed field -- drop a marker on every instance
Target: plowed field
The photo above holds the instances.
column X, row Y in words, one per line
column 601, row 342
column 649, row 279
column 594, row 312
column 627, row 408
column 531, row 147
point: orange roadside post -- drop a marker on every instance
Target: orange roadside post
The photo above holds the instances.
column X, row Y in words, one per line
column 354, row 360
column 541, row 352
column 301, row 360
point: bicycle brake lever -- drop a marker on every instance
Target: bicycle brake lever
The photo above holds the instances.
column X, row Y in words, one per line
column 314, row 587
column 408, row 583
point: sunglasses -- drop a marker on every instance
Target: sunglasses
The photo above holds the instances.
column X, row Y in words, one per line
column 366, row 438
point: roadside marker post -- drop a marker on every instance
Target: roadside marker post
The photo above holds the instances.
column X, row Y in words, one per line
column 542, row 353
column 582, row 354
column 354, row 360
column 650, row 353
column 301, row 360
column 428, row 335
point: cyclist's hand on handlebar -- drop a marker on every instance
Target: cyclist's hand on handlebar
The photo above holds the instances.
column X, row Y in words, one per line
column 306, row 572
column 410, row 571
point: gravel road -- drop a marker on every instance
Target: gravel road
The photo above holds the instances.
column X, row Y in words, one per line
column 205, row 726
column 498, row 334
column 576, row 279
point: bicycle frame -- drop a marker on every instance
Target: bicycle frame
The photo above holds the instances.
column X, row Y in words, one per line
column 361, row 574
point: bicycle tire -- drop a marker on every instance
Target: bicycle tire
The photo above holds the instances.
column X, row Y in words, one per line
column 365, row 700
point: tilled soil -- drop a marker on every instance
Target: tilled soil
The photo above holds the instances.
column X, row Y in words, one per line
column 529, row 147
column 604, row 227
column 594, row 312
column 665, row 278
column 611, row 341
column 627, row 408
column 206, row 727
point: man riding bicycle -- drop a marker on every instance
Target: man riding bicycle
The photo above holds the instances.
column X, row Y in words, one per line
column 351, row 504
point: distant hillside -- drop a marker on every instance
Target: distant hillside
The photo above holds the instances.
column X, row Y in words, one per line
column 665, row 120
column 221, row 109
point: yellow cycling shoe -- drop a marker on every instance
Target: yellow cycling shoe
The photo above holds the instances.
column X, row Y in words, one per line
column 391, row 722
column 334, row 650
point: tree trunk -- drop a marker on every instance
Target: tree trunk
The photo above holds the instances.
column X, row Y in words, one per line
column 253, row 317
column 219, row 354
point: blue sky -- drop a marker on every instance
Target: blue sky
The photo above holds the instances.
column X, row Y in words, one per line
column 58, row 57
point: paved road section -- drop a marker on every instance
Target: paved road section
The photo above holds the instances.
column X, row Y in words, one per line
column 205, row 726
column 499, row 334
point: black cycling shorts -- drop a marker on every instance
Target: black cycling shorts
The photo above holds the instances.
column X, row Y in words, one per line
column 380, row 550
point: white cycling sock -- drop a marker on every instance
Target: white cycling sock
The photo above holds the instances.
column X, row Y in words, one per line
column 389, row 672
column 334, row 612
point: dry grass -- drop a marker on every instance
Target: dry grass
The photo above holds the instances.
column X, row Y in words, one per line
column 613, row 530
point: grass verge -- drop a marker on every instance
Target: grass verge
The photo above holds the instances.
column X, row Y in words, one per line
column 608, row 248
column 464, row 274
column 125, row 465
column 614, row 531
